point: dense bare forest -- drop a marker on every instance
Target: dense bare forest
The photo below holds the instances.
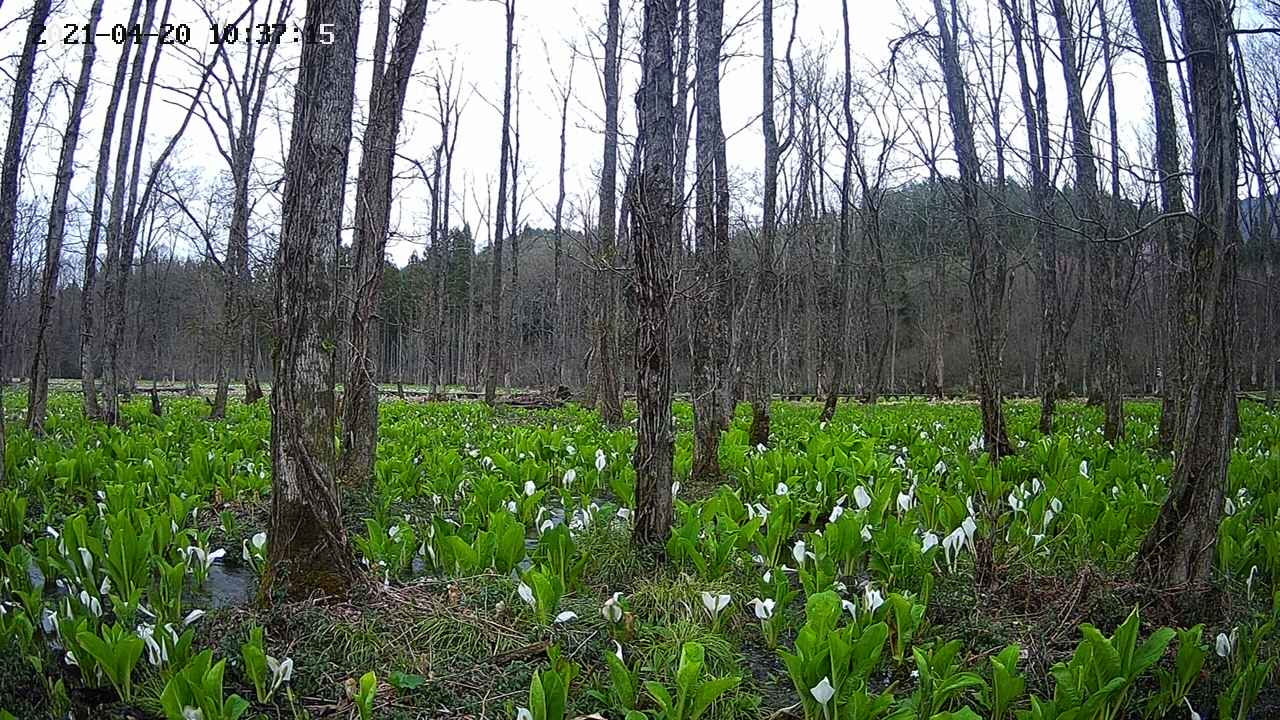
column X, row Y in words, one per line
column 574, row 301
column 899, row 240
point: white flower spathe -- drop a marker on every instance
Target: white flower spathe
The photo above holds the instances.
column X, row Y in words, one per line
column 1223, row 645
column 763, row 608
column 823, row 691
column 873, row 598
column 281, row 671
column 715, row 604
column 861, row 498
column 612, row 610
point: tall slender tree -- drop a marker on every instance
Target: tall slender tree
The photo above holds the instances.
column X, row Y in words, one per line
column 496, row 326
column 1147, row 26
column 986, row 286
column 559, row 321
column 308, row 549
column 607, row 390
column 373, row 212
column 654, row 243
column 1179, row 549
column 87, row 292
column 38, row 392
column 120, row 235
column 241, row 94
column 1101, row 253
column 837, row 345
column 1049, row 338
column 711, row 336
column 9, row 170
column 766, row 278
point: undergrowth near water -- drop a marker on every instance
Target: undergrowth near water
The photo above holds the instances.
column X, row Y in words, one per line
column 832, row 577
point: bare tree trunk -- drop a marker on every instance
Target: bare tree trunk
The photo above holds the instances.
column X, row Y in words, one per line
column 494, row 361
column 1102, row 254
column 449, row 116
column 308, row 550
column 764, row 320
column 1120, row 262
column 607, row 389
column 1262, row 229
column 91, row 406
column 986, row 287
column 1146, row 21
column 512, row 333
column 373, row 212
column 9, row 178
column 119, row 230
column 653, row 247
column 241, row 128
column 1179, row 550
column 836, row 346
column 558, row 322
column 38, row 395
column 711, row 335
column 1046, row 243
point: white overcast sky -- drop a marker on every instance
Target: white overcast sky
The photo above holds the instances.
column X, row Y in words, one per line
column 469, row 35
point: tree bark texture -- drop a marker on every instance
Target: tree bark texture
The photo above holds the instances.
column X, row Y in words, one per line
column 1147, row 27
column 373, row 213
column 308, row 550
column 986, row 285
column 1179, row 550
column 496, row 327
column 711, row 335
column 1103, row 263
column 653, row 247
column 9, row 179
column 38, row 392
column 608, row 390
column 837, row 346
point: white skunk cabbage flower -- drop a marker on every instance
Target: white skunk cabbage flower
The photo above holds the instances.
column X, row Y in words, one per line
column 611, row 611
column 861, row 498
column 281, row 671
column 823, row 692
column 1224, row 645
column 526, row 594
column 799, row 552
column 763, row 608
column 715, row 604
column 873, row 598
